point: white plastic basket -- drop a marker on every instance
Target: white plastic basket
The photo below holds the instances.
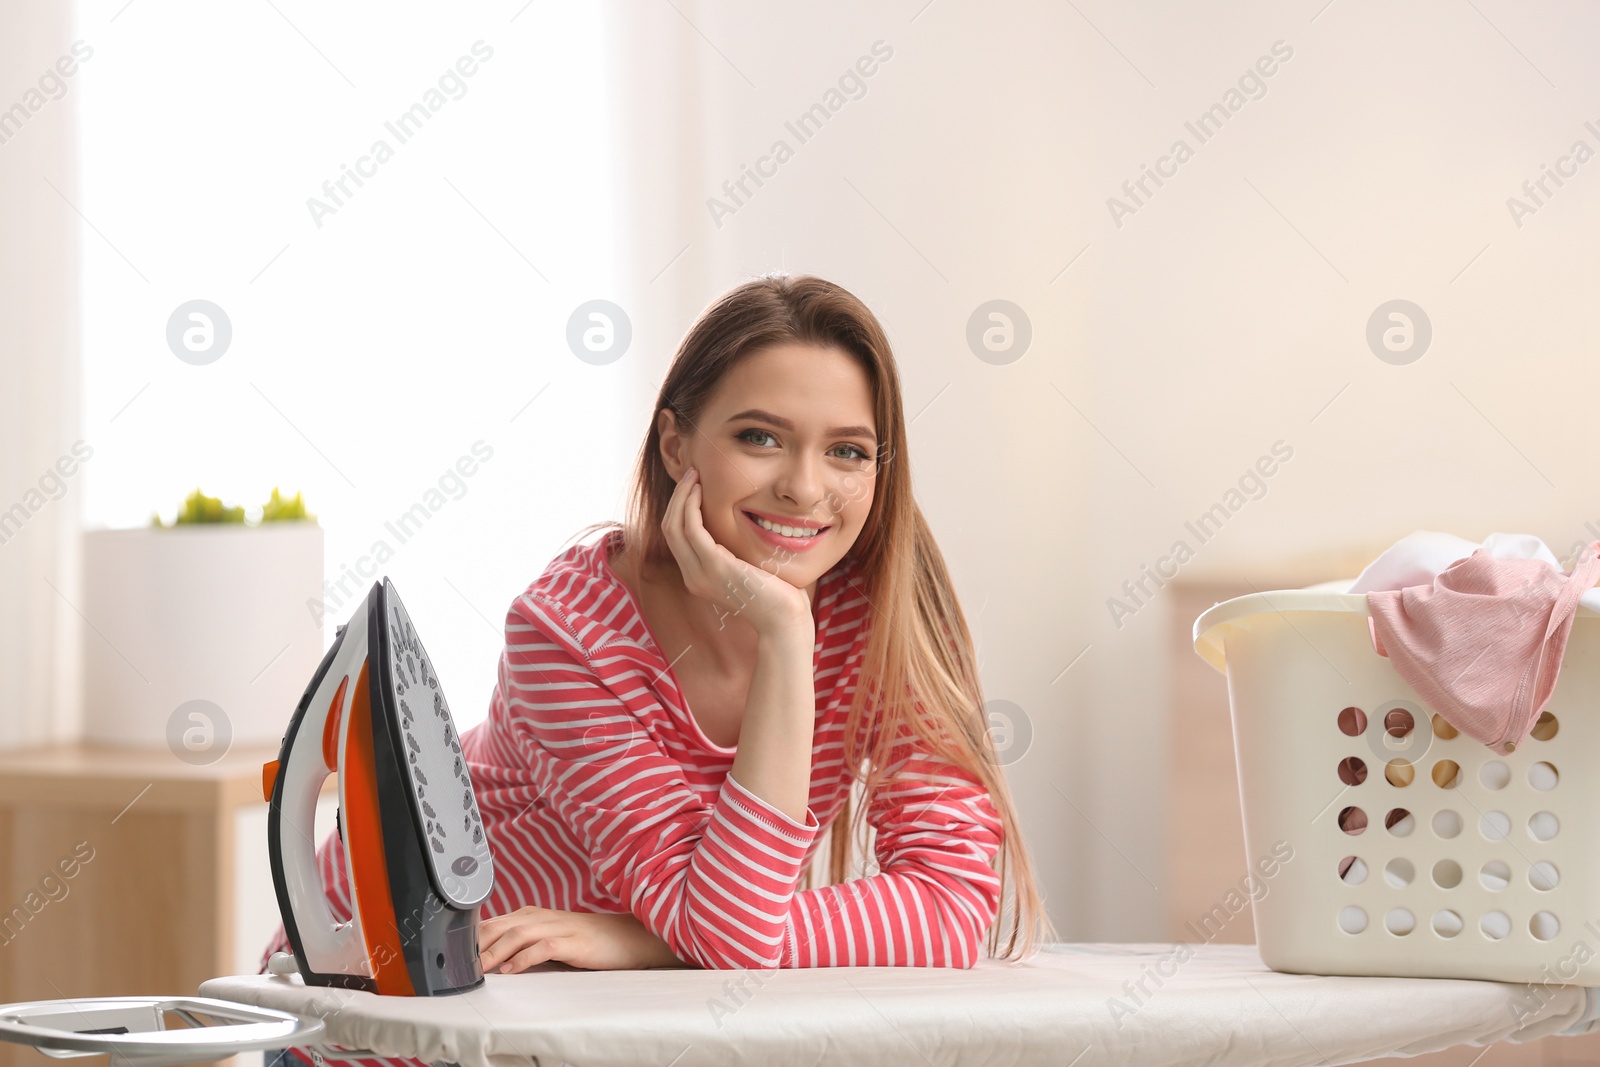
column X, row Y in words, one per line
column 1512, row 895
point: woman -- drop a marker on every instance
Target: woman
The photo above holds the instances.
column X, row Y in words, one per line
column 684, row 705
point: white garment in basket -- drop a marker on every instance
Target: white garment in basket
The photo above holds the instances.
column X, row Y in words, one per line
column 1419, row 557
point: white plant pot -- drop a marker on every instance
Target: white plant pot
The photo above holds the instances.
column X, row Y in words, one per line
column 199, row 637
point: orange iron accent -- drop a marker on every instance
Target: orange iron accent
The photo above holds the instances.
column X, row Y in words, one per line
column 330, row 725
column 369, row 869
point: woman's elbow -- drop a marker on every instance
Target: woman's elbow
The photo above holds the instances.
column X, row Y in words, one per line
column 970, row 930
column 717, row 954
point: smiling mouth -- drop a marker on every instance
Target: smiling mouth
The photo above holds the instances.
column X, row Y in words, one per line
column 758, row 521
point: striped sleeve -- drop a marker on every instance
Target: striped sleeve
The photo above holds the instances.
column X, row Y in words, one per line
column 714, row 881
column 936, row 892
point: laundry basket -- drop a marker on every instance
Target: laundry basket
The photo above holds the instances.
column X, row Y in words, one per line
column 1380, row 841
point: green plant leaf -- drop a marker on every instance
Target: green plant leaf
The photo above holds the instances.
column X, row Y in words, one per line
column 199, row 509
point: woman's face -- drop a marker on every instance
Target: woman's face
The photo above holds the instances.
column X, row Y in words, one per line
column 789, row 436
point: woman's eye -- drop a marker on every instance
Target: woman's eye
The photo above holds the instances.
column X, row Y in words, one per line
column 854, row 452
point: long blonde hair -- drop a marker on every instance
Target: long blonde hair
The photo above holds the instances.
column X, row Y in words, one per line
column 919, row 642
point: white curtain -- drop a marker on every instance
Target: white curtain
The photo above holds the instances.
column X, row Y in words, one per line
column 660, row 115
column 39, row 384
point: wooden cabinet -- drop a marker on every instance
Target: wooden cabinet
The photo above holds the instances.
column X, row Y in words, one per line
column 128, row 872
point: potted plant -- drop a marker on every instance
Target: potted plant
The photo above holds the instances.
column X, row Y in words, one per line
column 198, row 638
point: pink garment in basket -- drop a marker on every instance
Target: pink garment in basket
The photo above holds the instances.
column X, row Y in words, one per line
column 1483, row 644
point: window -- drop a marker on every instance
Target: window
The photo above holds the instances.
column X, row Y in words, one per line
column 397, row 209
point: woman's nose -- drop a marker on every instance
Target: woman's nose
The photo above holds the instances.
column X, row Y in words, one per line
column 802, row 483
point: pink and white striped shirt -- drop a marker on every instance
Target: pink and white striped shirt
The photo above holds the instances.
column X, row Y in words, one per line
column 600, row 793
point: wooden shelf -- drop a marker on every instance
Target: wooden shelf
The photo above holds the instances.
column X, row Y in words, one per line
column 88, row 776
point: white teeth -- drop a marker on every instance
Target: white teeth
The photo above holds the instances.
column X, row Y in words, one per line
column 787, row 531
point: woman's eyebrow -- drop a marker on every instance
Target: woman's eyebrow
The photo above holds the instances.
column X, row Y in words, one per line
column 784, row 424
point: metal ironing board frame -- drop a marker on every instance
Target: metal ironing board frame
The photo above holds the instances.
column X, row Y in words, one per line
column 122, row 1032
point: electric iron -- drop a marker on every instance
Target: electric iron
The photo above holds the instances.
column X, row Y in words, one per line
column 413, row 841
column 414, row 848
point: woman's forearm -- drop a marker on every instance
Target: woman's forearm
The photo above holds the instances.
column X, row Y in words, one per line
column 656, row 952
column 775, row 737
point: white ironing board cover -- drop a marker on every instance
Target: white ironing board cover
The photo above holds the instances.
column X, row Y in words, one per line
column 1221, row 1007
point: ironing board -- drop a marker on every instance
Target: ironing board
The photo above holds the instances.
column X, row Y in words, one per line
column 1218, row 1005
